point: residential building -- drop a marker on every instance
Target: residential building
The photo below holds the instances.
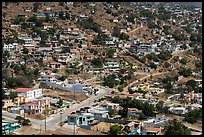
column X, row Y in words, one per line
column 154, row 131
column 20, row 100
column 9, row 127
column 30, row 93
column 80, row 120
column 7, row 103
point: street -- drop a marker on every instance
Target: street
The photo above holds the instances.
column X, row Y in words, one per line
column 52, row 122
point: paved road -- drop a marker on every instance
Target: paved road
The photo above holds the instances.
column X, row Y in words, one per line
column 52, row 122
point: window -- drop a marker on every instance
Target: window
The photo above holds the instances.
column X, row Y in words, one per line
column 83, row 119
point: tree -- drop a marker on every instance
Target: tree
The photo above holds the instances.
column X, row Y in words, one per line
column 183, row 61
column 141, row 116
column 111, row 112
column 9, row 40
column 13, row 95
column 116, row 99
column 153, row 66
column 60, row 102
column 124, row 36
column 193, row 115
column 32, row 19
column 176, row 128
column 36, row 6
column 61, row 3
column 110, row 53
column 130, row 90
column 116, row 31
column 25, row 50
column 115, row 129
column 120, row 88
column 109, row 11
column 183, row 46
column 147, row 109
column 62, row 78
column 185, row 72
column 97, row 62
column 159, row 105
column 191, row 83
column 26, row 122
column 39, row 23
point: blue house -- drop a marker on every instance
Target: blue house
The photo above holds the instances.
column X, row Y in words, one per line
column 82, row 120
column 9, row 127
column 40, row 15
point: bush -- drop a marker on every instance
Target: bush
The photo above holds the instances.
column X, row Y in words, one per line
column 115, row 129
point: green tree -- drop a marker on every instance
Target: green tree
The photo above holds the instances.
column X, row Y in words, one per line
column 60, row 102
column 116, row 31
column 115, row 129
column 97, row 62
column 120, row 88
column 124, row 36
column 32, row 19
column 185, row 72
column 176, row 128
column 111, row 112
column 130, row 90
column 26, row 122
column 141, row 116
column 61, row 4
column 159, row 105
column 191, row 83
column 62, row 78
column 183, row 61
column 153, row 66
column 25, row 50
column 147, row 109
column 183, row 46
column 110, row 53
column 36, row 6
column 13, row 95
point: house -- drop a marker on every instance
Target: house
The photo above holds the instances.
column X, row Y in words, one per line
column 36, row 106
column 112, row 65
column 10, row 47
column 47, row 26
column 20, row 100
column 133, row 127
column 48, row 78
column 30, row 93
column 53, row 64
column 112, row 106
column 45, row 72
column 133, row 112
column 40, row 15
column 7, row 103
column 154, row 131
column 178, row 110
column 9, row 127
column 81, row 120
column 99, row 112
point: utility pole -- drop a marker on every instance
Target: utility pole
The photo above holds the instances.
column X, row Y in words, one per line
column 45, row 119
column 40, row 128
column 75, row 101
column 61, row 117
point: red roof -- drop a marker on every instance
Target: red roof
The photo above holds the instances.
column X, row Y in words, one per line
column 23, row 89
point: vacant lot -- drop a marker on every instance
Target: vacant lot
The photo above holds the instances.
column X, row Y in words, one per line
column 65, row 95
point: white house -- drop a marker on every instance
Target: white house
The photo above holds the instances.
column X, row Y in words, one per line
column 179, row 110
column 10, row 47
column 112, row 65
column 30, row 93
column 48, row 78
